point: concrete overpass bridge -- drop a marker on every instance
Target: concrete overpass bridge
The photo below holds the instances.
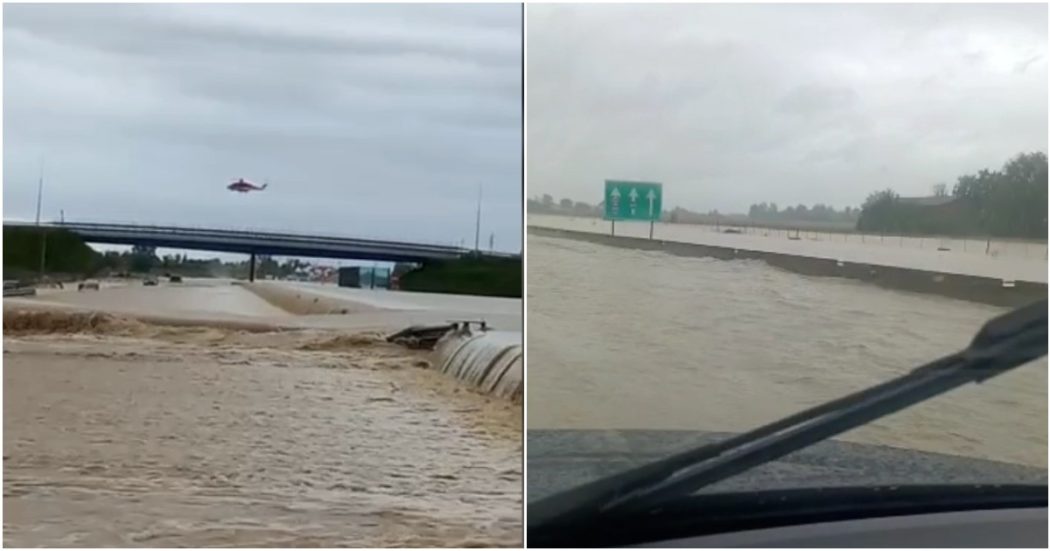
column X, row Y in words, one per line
column 255, row 242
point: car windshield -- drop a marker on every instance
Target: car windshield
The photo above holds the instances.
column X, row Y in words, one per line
column 675, row 299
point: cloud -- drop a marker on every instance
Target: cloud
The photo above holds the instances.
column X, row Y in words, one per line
column 729, row 105
column 367, row 119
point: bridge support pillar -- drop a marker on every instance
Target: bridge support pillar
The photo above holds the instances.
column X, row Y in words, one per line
column 251, row 268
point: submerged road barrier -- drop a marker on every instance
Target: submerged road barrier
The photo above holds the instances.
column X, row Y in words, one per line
column 985, row 290
column 301, row 302
column 492, row 361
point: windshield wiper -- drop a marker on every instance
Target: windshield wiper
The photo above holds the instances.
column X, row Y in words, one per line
column 1004, row 343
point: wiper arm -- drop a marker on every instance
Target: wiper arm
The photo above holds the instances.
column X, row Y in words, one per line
column 1004, row 343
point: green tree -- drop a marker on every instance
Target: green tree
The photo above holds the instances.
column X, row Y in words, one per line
column 1011, row 202
column 879, row 212
column 143, row 258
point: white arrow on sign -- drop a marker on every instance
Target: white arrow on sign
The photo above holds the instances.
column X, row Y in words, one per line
column 634, row 199
column 652, row 197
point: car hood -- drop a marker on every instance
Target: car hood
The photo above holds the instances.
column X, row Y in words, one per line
column 561, row 459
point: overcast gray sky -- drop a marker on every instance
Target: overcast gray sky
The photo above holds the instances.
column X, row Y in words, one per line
column 729, row 105
column 367, row 120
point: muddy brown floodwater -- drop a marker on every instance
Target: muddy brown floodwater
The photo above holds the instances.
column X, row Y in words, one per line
column 626, row 339
column 118, row 433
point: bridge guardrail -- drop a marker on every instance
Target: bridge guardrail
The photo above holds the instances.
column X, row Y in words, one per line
column 233, row 233
column 115, row 231
column 231, row 230
column 289, row 236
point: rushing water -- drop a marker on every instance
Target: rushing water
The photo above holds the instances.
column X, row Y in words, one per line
column 122, row 433
column 201, row 298
column 624, row 339
column 492, row 361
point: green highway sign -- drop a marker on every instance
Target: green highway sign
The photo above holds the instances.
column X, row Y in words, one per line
column 633, row 200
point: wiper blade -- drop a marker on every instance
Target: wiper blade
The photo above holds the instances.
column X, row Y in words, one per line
column 1004, row 343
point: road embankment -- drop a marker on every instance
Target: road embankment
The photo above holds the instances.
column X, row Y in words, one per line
column 470, row 275
column 304, row 303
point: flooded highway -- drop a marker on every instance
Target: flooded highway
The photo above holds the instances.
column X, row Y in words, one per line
column 504, row 313
column 203, row 298
column 1005, row 259
column 628, row 339
column 259, row 428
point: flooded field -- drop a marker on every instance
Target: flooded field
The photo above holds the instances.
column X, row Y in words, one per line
column 124, row 433
column 626, row 339
column 1005, row 259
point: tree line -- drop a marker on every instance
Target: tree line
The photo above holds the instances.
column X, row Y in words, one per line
column 817, row 213
column 143, row 259
column 1010, row 202
column 547, row 205
column 66, row 254
column 760, row 212
column 63, row 252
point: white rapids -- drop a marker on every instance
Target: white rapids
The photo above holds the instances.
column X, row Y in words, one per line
column 490, row 360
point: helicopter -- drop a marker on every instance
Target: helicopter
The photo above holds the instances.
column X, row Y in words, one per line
column 244, row 186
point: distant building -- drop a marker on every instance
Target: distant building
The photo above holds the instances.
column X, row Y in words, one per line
column 931, row 201
column 938, row 213
column 940, row 206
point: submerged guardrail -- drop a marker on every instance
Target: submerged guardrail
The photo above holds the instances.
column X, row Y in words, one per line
column 491, row 361
column 985, row 290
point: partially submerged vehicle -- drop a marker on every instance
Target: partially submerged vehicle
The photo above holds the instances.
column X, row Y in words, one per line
column 16, row 288
column 89, row 285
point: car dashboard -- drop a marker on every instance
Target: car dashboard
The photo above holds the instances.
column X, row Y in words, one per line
column 998, row 528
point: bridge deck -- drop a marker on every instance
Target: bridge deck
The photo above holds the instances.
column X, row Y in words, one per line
column 258, row 242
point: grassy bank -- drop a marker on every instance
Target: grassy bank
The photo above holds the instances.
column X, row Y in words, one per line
column 65, row 253
column 499, row 277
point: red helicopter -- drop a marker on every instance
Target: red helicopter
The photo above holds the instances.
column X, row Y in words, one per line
column 243, row 186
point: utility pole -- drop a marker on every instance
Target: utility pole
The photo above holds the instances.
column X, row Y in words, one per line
column 477, row 224
column 43, row 235
column 39, row 193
